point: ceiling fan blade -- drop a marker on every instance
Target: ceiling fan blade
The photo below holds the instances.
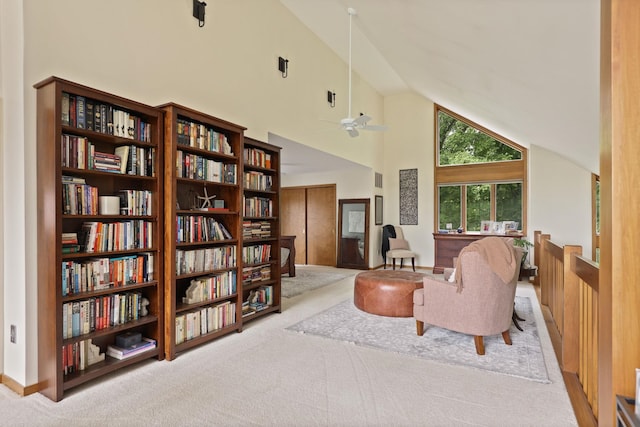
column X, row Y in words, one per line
column 362, row 120
column 353, row 132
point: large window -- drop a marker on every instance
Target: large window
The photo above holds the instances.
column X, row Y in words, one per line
column 479, row 175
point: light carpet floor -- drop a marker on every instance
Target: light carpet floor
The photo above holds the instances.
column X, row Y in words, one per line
column 345, row 322
column 269, row 376
column 308, row 278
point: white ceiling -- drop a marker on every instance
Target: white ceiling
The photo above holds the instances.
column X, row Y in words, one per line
column 526, row 69
column 297, row 158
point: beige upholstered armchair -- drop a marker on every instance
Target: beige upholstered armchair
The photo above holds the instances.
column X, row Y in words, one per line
column 395, row 246
column 480, row 302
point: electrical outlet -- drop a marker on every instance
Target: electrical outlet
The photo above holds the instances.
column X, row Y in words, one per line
column 13, row 334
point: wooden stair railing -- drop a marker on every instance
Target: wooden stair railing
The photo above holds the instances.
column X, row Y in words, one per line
column 569, row 289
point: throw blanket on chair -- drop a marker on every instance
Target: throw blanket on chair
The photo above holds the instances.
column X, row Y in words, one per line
column 498, row 252
column 387, row 232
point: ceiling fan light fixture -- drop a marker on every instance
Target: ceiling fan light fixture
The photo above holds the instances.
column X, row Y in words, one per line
column 350, row 124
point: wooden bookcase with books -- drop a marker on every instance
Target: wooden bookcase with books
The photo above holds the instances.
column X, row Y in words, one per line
column 261, row 291
column 100, row 276
column 202, row 199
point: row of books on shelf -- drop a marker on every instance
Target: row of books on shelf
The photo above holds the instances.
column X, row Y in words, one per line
column 105, row 273
column 257, row 157
column 85, row 113
column 255, row 274
column 97, row 236
column 198, row 228
column 210, row 287
column 136, row 202
column 79, row 198
column 205, row 259
column 257, row 206
column 257, row 181
column 197, row 167
column 79, row 153
column 258, row 300
column 130, row 349
column 205, row 320
column 256, row 229
column 255, row 254
column 94, row 314
column 80, row 355
column 200, row 136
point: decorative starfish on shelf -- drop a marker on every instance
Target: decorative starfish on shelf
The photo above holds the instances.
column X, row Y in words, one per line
column 206, row 199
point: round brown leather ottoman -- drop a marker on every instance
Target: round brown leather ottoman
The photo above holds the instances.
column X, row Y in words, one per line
column 386, row 292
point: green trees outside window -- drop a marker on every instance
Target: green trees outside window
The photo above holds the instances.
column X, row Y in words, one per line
column 460, row 144
column 469, row 188
column 450, row 197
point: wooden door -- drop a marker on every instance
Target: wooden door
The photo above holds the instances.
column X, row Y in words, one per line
column 321, row 225
column 293, row 217
column 309, row 213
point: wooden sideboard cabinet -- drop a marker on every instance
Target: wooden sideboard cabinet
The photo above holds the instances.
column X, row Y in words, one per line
column 449, row 245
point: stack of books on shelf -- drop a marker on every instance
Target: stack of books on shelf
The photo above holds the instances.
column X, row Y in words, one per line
column 70, row 243
column 78, row 197
column 255, row 274
column 256, row 254
column 98, row 313
column 196, row 228
column 116, row 236
column 205, row 320
column 135, row 202
column 199, row 260
column 257, row 181
column 130, row 344
column 106, row 162
column 210, row 287
column 85, row 113
column 256, row 229
column 200, row 136
column 258, row 300
column 103, row 273
column 79, row 356
column 257, row 206
column 256, row 157
column 197, row 167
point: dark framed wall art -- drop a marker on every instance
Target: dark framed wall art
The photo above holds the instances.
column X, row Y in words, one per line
column 409, row 197
column 378, row 213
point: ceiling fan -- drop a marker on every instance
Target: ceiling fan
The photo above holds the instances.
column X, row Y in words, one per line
column 350, row 124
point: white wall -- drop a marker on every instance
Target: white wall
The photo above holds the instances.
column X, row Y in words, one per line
column 560, row 202
column 16, row 287
column 409, row 145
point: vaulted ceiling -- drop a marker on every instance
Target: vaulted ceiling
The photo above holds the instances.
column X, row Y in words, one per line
column 526, row 69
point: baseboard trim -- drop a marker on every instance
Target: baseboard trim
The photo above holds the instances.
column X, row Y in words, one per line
column 18, row 388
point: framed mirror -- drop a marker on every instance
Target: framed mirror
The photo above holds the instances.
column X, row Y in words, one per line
column 353, row 239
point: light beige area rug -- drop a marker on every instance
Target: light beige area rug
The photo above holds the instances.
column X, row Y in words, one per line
column 523, row 359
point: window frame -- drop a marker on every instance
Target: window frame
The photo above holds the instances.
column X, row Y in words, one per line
column 502, row 171
column 595, row 217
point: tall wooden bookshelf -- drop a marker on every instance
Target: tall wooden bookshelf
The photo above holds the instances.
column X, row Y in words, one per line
column 203, row 159
column 261, row 284
column 94, row 286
